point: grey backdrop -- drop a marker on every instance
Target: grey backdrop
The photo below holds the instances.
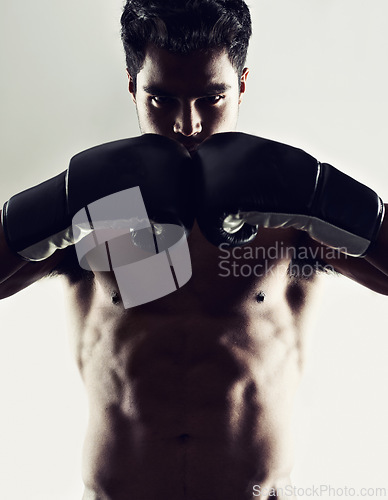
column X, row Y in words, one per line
column 318, row 81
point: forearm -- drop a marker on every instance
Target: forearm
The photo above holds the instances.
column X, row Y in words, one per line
column 10, row 263
column 378, row 254
column 16, row 273
column 370, row 271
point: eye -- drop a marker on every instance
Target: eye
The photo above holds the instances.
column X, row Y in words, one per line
column 214, row 99
column 161, row 100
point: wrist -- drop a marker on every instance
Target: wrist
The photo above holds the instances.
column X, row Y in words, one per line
column 36, row 221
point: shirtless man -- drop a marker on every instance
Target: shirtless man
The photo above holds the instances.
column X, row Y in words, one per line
column 191, row 394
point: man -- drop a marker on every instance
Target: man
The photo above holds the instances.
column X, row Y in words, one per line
column 192, row 392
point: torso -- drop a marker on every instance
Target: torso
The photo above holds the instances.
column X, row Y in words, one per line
column 190, row 395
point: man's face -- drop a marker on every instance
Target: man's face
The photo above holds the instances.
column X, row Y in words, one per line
column 187, row 98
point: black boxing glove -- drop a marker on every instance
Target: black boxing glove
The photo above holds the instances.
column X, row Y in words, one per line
column 38, row 221
column 246, row 182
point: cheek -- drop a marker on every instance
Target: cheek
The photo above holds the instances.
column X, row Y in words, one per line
column 152, row 119
column 223, row 119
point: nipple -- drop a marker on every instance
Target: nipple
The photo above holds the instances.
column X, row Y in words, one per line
column 260, row 297
column 115, row 298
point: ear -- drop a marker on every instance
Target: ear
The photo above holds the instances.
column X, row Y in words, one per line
column 243, row 83
column 131, row 87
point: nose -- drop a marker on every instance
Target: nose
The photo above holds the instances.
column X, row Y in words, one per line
column 188, row 120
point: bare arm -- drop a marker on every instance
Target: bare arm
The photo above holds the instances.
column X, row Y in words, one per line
column 16, row 273
column 370, row 271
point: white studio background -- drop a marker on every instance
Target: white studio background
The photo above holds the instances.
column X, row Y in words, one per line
column 318, row 81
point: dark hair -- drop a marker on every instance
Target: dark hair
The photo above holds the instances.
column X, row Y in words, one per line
column 185, row 26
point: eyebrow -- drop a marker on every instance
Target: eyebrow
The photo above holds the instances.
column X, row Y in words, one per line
column 217, row 88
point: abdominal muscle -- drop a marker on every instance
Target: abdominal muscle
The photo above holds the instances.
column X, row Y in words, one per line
column 189, row 396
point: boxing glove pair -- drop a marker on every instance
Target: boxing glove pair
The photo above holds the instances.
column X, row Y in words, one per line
column 234, row 184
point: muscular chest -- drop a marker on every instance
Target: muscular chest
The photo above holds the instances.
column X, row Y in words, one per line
column 247, row 283
column 222, row 278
